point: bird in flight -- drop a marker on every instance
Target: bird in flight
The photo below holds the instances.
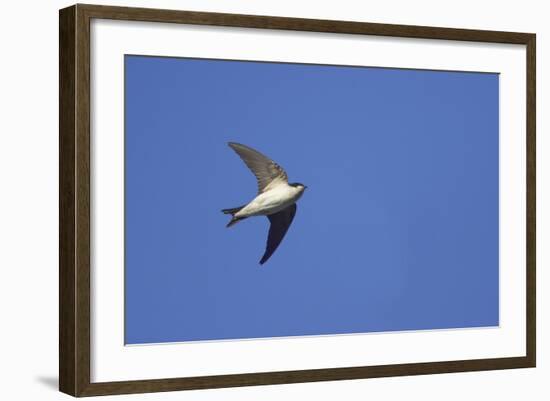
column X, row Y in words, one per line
column 276, row 197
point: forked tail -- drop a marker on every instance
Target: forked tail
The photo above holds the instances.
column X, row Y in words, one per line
column 232, row 212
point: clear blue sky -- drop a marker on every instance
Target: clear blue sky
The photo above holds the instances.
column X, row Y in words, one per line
column 398, row 229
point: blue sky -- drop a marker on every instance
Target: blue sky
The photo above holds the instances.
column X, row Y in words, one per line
column 398, row 229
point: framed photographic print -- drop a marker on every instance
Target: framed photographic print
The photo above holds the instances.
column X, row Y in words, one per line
column 250, row 200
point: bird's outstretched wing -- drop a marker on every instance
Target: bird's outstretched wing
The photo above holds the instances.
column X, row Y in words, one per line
column 280, row 222
column 265, row 169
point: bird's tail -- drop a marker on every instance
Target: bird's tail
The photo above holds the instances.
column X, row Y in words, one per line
column 232, row 212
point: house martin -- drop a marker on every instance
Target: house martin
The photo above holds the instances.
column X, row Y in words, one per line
column 276, row 198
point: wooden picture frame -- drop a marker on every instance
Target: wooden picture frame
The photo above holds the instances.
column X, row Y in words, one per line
column 74, row 204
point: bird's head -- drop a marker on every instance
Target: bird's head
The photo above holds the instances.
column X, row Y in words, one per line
column 301, row 187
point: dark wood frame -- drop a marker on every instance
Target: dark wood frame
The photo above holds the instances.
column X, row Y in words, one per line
column 74, row 199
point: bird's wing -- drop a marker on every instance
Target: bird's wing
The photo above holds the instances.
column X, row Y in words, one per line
column 265, row 169
column 280, row 222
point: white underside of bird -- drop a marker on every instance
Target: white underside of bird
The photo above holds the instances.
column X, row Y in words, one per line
column 279, row 197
